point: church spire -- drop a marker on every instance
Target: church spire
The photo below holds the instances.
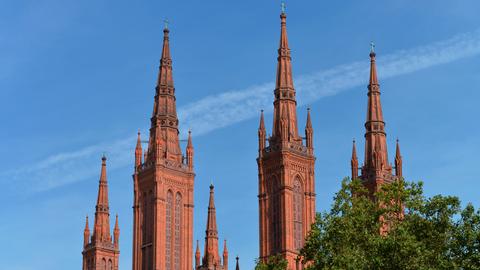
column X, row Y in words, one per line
column 116, row 233
column 211, row 256
column 309, row 131
column 101, row 231
column 225, row 255
column 138, row 151
column 86, row 233
column 285, row 116
column 376, row 156
column 354, row 162
column 164, row 142
column 197, row 256
column 398, row 161
column 190, row 150
column 262, row 134
column 100, row 246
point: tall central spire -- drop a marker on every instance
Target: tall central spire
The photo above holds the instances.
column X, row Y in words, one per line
column 165, row 144
column 376, row 169
column 376, row 146
column 285, row 116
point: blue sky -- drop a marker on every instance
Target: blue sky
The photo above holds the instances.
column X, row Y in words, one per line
column 77, row 79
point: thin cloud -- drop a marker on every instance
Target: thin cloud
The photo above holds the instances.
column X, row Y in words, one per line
column 221, row 110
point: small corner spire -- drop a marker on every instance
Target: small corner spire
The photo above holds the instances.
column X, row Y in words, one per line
column 189, row 142
column 86, row 224
column 262, row 121
column 354, row 161
column 116, row 222
column 225, row 250
column 309, row 120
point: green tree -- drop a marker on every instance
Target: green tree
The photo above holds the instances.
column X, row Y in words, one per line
column 420, row 232
column 273, row 263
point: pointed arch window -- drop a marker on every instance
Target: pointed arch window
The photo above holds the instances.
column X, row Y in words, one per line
column 103, row 266
column 298, row 214
column 168, row 231
column 178, row 226
column 275, row 216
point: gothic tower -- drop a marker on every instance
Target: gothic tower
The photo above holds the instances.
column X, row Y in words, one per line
column 100, row 251
column 163, row 185
column 285, row 169
column 376, row 169
column 211, row 257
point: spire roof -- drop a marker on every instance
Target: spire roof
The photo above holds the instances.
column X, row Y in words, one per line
column 212, row 218
column 87, row 229
column 284, row 68
column 116, row 223
column 309, row 120
column 376, row 169
column 225, row 250
column 164, row 120
column 262, row 121
column 102, row 210
column 285, row 115
column 189, row 143
column 211, row 254
column 139, row 141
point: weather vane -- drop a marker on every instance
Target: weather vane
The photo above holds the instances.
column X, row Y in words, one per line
column 372, row 47
column 283, row 7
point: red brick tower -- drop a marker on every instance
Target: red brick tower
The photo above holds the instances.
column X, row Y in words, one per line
column 99, row 251
column 211, row 257
column 163, row 185
column 285, row 169
column 376, row 170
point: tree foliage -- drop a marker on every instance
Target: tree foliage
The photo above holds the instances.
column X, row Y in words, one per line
column 273, row 263
column 400, row 229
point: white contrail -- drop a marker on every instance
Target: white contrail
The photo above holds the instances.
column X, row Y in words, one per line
column 217, row 111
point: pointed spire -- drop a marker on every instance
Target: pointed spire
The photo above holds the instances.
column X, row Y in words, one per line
column 309, row 132
column 309, row 120
column 101, row 231
column 375, row 135
column 164, row 121
column 237, row 267
column 211, row 256
column 262, row 134
column 225, row 255
column 285, row 104
column 262, row 121
column 116, row 233
column 86, row 233
column 190, row 151
column 398, row 161
column 354, row 161
column 138, row 151
column 197, row 256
